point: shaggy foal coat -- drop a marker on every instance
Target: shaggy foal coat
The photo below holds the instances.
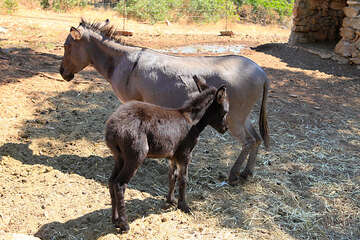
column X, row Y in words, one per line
column 138, row 130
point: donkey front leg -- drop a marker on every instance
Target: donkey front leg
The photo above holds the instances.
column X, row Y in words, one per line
column 183, row 172
column 172, row 180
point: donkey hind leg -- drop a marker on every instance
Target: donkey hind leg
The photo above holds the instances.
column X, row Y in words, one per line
column 116, row 170
column 132, row 162
column 182, row 180
column 173, row 172
column 245, row 135
column 249, row 169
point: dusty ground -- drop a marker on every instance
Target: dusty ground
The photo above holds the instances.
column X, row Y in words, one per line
column 54, row 164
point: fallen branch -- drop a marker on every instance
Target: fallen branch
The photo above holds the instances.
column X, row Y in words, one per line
column 53, row 78
column 39, row 73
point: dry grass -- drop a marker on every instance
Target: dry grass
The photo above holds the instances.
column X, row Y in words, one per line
column 54, row 164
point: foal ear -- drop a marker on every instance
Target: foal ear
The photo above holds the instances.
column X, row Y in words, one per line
column 75, row 33
column 200, row 83
column 221, row 94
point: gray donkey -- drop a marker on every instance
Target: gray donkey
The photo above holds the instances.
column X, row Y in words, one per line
column 137, row 130
column 142, row 74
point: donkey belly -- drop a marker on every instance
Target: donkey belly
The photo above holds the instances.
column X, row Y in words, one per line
column 164, row 150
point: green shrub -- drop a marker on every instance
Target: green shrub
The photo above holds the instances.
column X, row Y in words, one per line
column 152, row 10
column 45, row 4
column 62, row 5
column 159, row 10
column 211, row 10
column 282, row 7
column 10, row 5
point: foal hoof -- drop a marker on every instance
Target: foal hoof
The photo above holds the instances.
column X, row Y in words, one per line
column 240, row 179
column 123, row 226
column 184, row 207
column 171, row 201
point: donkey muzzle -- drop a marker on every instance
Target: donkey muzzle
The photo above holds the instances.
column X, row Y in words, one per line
column 67, row 77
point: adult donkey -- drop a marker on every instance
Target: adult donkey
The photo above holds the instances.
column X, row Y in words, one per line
column 143, row 74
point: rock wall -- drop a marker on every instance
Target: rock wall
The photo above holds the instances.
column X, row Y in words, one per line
column 317, row 21
column 349, row 45
column 336, row 21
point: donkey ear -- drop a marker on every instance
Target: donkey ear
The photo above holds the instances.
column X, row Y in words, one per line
column 221, row 94
column 200, row 83
column 75, row 33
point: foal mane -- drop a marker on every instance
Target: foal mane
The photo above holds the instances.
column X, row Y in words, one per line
column 201, row 100
column 108, row 31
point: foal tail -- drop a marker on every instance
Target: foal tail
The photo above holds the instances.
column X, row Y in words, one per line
column 263, row 126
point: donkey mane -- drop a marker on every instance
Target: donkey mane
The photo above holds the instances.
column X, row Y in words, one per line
column 108, row 31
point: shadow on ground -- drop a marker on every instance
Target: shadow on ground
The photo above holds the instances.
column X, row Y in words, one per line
column 298, row 58
column 93, row 225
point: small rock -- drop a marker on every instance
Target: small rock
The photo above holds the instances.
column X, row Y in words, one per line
column 3, row 30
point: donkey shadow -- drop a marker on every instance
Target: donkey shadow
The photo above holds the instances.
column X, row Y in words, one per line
column 98, row 223
column 91, row 167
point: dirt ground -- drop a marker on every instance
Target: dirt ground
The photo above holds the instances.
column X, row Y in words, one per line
column 54, row 163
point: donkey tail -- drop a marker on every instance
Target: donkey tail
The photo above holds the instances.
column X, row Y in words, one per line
column 263, row 126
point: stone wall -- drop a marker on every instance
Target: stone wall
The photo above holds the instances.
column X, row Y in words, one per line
column 349, row 45
column 317, row 21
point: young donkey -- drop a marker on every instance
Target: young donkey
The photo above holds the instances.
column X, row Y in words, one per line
column 137, row 130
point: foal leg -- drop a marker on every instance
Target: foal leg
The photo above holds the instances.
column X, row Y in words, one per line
column 132, row 161
column 172, row 180
column 183, row 172
column 117, row 167
column 249, row 169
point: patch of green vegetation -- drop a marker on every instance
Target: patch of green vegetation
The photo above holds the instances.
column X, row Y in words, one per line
column 10, row 5
column 150, row 10
column 282, row 7
column 264, row 11
column 62, row 5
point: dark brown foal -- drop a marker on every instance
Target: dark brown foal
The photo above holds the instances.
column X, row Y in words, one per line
column 137, row 130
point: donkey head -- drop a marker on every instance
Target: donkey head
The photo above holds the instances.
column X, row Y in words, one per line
column 217, row 112
column 76, row 56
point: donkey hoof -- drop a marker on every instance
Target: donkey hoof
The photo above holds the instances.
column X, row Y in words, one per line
column 245, row 175
column 171, row 201
column 183, row 207
column 234, row 180
column 123, row 226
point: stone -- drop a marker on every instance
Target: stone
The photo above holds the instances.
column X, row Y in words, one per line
column 351, row 11
column 337, row 5
column 319, row 36
column 314, row 4
column 3, row 30
column 298, row 28
column 355, row 53
column 347, row 33
column 340, row 59
column 357, row 42
column 355, row 22
column 355, row 60
column 344, row 48
column 347, row 22
column 296, row 38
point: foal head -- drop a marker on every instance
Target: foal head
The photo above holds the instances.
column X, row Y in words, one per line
column 216, row 113
column 76, row 52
